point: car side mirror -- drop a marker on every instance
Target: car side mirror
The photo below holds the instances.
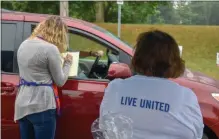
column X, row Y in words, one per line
column 119, row 70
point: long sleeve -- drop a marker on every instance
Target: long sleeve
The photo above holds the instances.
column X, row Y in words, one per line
column 59, row 73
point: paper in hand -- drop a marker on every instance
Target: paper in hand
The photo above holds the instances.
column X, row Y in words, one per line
column 75, row 62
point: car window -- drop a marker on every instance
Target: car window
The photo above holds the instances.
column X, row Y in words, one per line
column 8, row 36
column 8, row 46
column 81, row 43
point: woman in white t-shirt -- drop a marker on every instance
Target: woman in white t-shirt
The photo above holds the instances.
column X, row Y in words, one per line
column 158, row 107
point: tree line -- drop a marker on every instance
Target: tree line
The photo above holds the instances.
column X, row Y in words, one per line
column 133, row 12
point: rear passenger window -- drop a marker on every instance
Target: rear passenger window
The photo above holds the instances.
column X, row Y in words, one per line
column 33, row 27
column 8, row 35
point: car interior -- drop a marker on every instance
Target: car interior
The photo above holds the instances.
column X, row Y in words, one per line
column 7, row 61
column 97, row 69
column 92, row 68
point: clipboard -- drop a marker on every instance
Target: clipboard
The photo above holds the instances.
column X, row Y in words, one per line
column 75, row 62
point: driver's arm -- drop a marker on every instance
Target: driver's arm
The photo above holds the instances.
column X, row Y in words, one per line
column 84, row 54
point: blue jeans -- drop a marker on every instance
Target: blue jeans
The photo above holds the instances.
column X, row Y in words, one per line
column 38, row 125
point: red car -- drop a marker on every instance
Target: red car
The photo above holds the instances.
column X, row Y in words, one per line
column 81, row 97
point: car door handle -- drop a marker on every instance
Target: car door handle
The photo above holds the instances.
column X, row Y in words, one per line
column 7, row 89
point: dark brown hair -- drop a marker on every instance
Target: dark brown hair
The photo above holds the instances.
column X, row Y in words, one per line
column 157, row 54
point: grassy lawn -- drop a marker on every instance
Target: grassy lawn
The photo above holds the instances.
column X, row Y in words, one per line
column 200, row 43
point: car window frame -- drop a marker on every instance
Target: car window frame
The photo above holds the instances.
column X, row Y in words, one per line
column 82, row 33
column 18, row 41
column 94, row 38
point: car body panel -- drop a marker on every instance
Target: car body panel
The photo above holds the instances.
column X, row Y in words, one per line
column 12, row 17
column 80, row 101
column 215, row 129
column 9, row 129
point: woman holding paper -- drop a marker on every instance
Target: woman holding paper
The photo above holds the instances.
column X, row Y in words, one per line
column 40, row 71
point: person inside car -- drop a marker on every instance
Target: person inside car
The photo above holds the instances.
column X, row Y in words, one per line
column 39, row 60
column 84, row 54
column 158, row 107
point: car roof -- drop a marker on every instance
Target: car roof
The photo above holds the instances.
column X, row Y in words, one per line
column 6, row 11
column 72, row 22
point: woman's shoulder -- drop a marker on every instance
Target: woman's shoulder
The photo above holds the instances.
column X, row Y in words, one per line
column 39, row 42
column 44, row 47
column 47, row 46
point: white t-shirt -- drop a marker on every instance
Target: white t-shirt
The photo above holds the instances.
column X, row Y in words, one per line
column 159, row 108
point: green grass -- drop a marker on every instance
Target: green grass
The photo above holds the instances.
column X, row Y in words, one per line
column 79, row 43
column 200, row 43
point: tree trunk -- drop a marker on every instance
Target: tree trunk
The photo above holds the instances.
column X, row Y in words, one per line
column 99, row 11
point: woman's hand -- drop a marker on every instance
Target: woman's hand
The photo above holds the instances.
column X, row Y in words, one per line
column 68, row 58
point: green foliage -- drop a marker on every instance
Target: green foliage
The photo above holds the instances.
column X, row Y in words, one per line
column 185, row 13
column 48, row 7
column 168, row 14
column 132, row 12
column 208, row 11
column 138, row 12
column 82, row 10
column 199, row 13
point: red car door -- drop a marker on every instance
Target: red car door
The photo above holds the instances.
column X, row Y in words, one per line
column 80, row 102
column 11, row 39
column 9, row 129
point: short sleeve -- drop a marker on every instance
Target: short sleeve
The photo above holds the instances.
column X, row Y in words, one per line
column 193, row 113
column 110, row 94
